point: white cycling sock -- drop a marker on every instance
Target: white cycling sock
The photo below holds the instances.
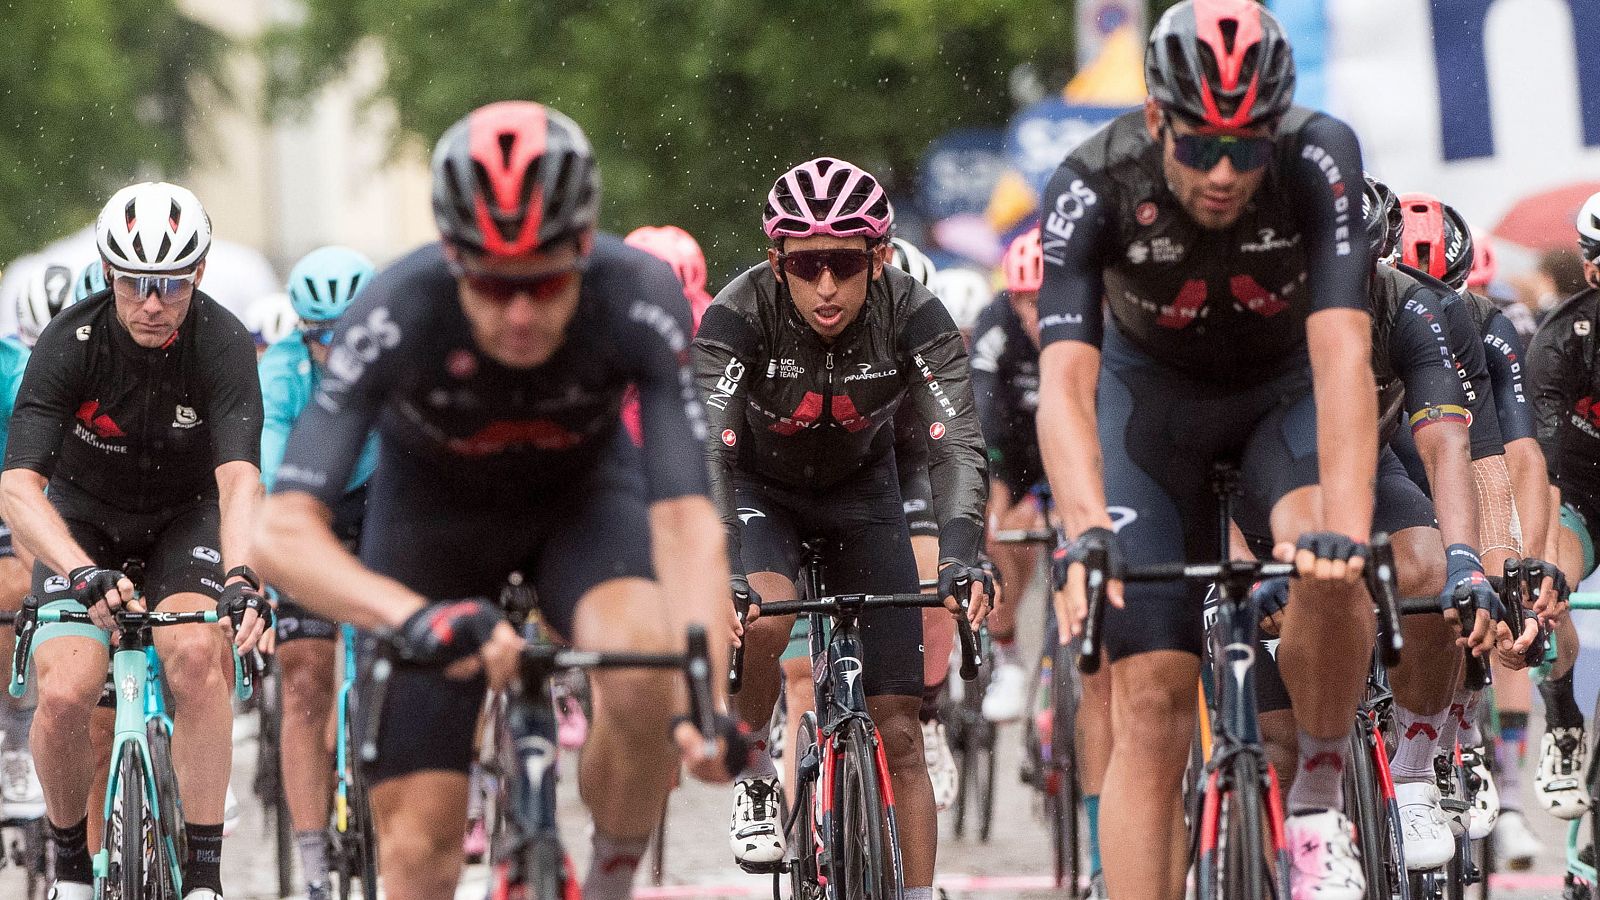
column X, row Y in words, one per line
column 1471, row 735
column 1319, row 784
column 612, row 865
column 1416, row 738
column 761, row 765
column 313, row 847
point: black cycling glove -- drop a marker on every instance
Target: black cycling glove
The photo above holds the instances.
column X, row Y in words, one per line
column 240, row 597
column 1464, row 578
column 1331, row 546
column 737, row 749
column 954, row 575
column 1095, row 539
column 441, row 633
column 92, row 584
column 1271, row 595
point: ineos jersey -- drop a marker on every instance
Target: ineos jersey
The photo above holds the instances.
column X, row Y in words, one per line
column 787, row 407
column 404, row 359
column 1502, row 349
column 1472, row 366
column 1415, row 371
column 1564, row 382
column 1005, row 382
column 138, row 429
column 1222, row 305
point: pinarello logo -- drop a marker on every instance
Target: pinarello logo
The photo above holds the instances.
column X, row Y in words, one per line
column 462, row 364
column 98, row 422
column 728, row 437
column 1145, row 213
column 936, row 430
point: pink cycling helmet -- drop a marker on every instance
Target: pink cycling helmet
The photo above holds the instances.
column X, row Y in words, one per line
column 1024, row 263
column 677, row 248
column 1483, row 264
column 827, row 196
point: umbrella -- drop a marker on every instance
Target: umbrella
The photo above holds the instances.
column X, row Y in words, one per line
column 1544, row 221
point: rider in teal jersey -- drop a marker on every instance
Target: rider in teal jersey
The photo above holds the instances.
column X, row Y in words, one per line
column 321, row 286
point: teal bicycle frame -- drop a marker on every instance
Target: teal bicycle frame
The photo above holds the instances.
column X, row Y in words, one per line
column 140, row 706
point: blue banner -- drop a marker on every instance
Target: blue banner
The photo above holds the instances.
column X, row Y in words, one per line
column 1042, row 135
column 959, row 172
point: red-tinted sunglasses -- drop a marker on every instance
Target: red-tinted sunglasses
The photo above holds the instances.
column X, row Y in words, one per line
column 807, row 265
column 502, row 289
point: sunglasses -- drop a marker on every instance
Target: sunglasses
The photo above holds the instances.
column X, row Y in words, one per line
column 807, row 265
column 320, row 333
column 1204, row 151
column 502, row 289
column 170, row 288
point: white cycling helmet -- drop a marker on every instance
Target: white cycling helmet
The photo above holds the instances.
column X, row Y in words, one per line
column 153, row 227
column 1589, row 229
column 271, row 319
column 965, row 292
column 47, row 292
column 913, row 262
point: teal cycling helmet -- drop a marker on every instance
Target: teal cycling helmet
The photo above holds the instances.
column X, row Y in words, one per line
column 92, row 280
column 324, row 281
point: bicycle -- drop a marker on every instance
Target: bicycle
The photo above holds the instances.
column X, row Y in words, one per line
column 352, row 837
column 143, row 841
column 527, row 860
column 1238, row 839
column 972, row 741
column 268, row 784
column 1581, row 880
column 847, row 824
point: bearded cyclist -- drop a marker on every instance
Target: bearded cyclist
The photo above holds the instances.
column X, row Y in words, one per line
column 804, row 361
column 321, row 287
column 141, row 414
column 1222, row 225
column 493, row 365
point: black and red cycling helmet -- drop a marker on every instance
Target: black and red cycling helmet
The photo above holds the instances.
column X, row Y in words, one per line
column 513, row 177
column 1380, row 210
column 1436, row 239
column 1220, row 63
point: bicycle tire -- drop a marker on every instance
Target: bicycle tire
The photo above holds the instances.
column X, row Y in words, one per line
column 546, row 871
column 1246, row 875
column 1361, row 795
column 805, row 880
column 367, row 836
column 865, row 869
column 1063, row 761
column 169, row 805
column 990, row 760
column 132, row 876
column 34, row 858
column 962, row 747
column 658, row 847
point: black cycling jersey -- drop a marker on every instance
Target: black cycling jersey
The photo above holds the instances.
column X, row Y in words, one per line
column 1472, row 365
column 1005, row 384
column 787, row 407
column 1224, row 305
column 1564, row 383
column 1415, row 372
column 137, row 429
column 1502, row 348
column 404, row 360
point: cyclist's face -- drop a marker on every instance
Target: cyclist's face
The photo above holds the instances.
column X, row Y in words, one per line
column 1026, row 305
column 1591, row 274
column 152, row 320
column 1214, row 198
column 519, row 327
column 829, row 304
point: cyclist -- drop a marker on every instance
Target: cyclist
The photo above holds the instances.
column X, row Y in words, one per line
column 140, row 412
column 321, row 287
column 91, row 280
column 1562, row 382
column 678, row 249
column 965, row 293
column 493, row 364
column 1238, row 329
column 270, row 319
column 807, row 450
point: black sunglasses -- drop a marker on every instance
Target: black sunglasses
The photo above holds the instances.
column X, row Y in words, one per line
column 1203, row 151
column 807, row 265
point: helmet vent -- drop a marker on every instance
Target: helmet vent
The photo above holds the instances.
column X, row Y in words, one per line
column 1230, row 31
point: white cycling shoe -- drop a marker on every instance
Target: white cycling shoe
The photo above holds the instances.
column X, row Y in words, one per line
column 1559, row 781
column 70, row 890
column 202, row 894
column 1514, row 843
column 1423, row 830
column 941, row 764
column 756, row 834
column 1007, row 693
column 1485, row 797
column 1326, row 866
column 230, row 814
column 19, row 786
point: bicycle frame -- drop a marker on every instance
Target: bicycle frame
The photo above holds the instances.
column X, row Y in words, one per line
column 343, row 765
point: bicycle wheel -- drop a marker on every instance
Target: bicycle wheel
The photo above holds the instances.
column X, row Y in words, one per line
column 269, row 787
column 988, row 760
column 547, row 872
column 1064, row 774
column 800, row 834
column 1377, row 832
column 865, row 868
column 658, row 849
column 1244, row 831
column 132, row 871
column 366, row 837
column 174, row 846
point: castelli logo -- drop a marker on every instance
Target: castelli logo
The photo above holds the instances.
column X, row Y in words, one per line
column 1146, row 213
column 936, row 430
column 462, row 364
column 728, row 437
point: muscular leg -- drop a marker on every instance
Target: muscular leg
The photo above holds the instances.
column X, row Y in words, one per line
column 192, row 662
column 764, row 640
column 307, row 666
column 1153, row 698
column 102, row 723
column 69, row 673
column 938, row 629
column 798, row 700
column 1093, row 740
column 420, row 817
column 1016, row 562
column 1423, row 681
column 896, row 718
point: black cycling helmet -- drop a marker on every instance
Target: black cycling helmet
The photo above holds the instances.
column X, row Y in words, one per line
column 1380, row 209
column 514, row 177
column 1221, row 63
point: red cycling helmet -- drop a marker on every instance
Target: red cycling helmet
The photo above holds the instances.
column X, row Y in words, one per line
column 1435, row 239
column 514, row 177
column 1024, row 263
column 1220, row 63
column 1483, row 262
column 827, row 196
column 677, row 248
